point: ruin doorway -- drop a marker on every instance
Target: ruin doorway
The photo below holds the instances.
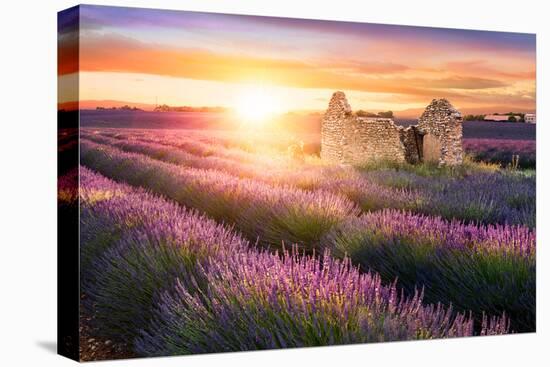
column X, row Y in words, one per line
column 431, row 148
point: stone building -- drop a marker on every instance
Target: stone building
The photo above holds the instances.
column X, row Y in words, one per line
column 348, row 138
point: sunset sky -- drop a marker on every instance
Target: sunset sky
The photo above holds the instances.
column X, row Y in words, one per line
column 203, row 59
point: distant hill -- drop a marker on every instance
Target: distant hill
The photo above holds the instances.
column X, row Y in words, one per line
column 166, row 108
column 412, row 113
column 106, row 104
column 92, row 104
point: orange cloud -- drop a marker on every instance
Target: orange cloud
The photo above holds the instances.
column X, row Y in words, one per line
column 462, row 81
column 67, row 53
column 125, row 55
column 481, row 67
column 369, row 67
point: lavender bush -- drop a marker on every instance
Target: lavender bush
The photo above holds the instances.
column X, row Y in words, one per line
column 271, row 214
column 258, row 300
column 190, row 143
column 133, row 245
column 483, row 198
column 489, row 198
column 178, row 156
column 480, row 194
column 485, row 269
column 502, row 151
column 471, row 245
column 159, row 252
column 368, row 195
column 67, row 188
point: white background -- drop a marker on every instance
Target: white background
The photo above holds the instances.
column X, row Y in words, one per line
column 28, row 182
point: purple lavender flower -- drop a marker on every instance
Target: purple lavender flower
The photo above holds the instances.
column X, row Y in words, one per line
column 502, row 151
column 257, row 300
column 484, row 269
column 134, row 245
column 475, row 266
column 272, row 213
column 478, row 197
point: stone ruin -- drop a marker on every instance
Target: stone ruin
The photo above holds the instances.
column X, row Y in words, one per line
column 350, row 139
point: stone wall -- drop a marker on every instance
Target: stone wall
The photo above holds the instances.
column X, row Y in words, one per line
column 335, row 122
column 373, row 139
column 348, row 138
column 444, row 122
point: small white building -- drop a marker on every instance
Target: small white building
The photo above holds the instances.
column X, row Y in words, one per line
column 496, row 118
column 530, row 118
column 499, row 117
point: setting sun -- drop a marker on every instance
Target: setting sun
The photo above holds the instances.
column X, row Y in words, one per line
column 256, row 105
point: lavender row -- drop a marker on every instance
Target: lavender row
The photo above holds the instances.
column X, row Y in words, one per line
column 185, row 142
column 271, row 213
column 394, row 248
column 365, row 193
column 485, row 269
column 263, row 301
column 268, row 165
column 503, row 151
column 222, row 141
column 493, row 234
column 479, row 196
column 275, row 169
column 493, row 198
column 168, row 154
column 485, row 198
column 176, row 282
column 133, row 245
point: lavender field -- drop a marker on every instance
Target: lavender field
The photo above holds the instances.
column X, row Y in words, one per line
column 506, row 152
column 210, row 241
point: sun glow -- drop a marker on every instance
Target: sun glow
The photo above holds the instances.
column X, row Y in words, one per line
column 256, row 105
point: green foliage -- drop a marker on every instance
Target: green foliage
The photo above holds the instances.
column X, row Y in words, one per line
column 474, row 118
column 386, row 114
column 362, row 113
column 490, row 282
column 430, row 169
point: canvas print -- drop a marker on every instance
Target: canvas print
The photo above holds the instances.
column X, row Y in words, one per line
column 235, row 183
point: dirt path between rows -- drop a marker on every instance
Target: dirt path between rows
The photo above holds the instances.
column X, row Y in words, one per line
column 96, row 348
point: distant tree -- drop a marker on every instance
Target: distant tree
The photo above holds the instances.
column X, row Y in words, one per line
column 515, row 116
column 474, row 118
column 387, row 114
column 362, row 113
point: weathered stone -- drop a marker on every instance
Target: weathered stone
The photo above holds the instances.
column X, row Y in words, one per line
column 348, row 138
column 335, row 122
column 444, row 122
